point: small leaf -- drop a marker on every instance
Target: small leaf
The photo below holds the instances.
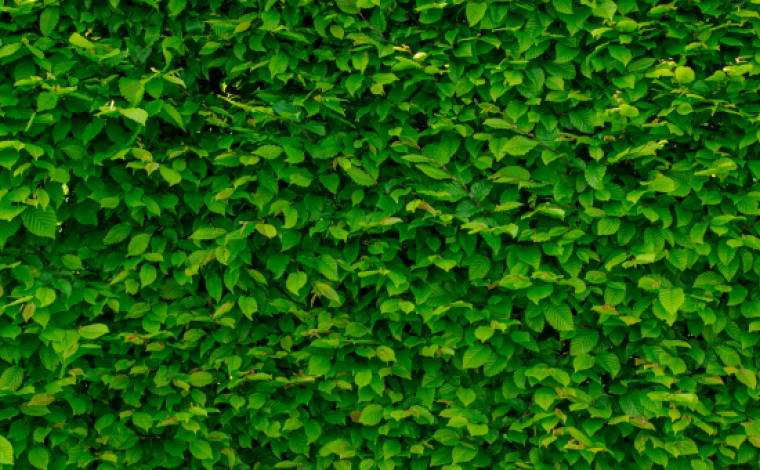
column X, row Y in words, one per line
column 201, row 450
column 117, row 234
column 200, row 379
column 138, row 244
column 296, row 281
column 79, row 41
column 371, row 415
column 476, row 356
column 94, row 331
column 684, row 75
column 519, row 145
column 131, row 89
column 140, row 116
column 248, row 305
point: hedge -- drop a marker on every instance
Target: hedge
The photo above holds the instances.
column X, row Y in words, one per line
column 392, row 234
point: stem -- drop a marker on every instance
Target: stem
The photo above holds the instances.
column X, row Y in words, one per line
column 443, row 167
column 365, row 19
column 528, row 134
column 527, row 412
column 297, row 127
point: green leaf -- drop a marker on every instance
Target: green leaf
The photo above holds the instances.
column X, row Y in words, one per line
column 605, row 9
column 607, row 226
column 148, row 274
column 138, row 244
column 751, row 309
column 207, row 233
column 371, row 415
column 479, row 268
column 140, row 116
column 583, row 342
column 363, row 378
column 296, row 281
column 143, row 420
column 6, row 452
column 269, row 152
column 434, row 172
column 43, row 223
column 545, row 397
column 466, row 395
column 498, row 124
column 71, row 262
column 248, row 305
column 170, row 175
column 476, row 356
column 313, row 429
column 117, row 234
column 39, row 457
column 747, row 377
column 94, row 331
column 621, row 53
column 475, row 12
column 684, row 75
column 9, row 49
column 672, row 299
column 519, row 145
column 46, row 101
column 200, row 379
column 386, row 354
column 174, row 115
column 609, row 362
column 360, row 176
column 348, row 6
column 319, row 365
column 132, row 90
column 80, row 41
column 560, row 317
column 201, row 450
column 563, row 6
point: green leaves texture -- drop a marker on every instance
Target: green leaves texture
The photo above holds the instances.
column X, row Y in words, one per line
column 379, row 234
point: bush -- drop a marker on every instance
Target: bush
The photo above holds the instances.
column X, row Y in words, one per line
column 391, row 234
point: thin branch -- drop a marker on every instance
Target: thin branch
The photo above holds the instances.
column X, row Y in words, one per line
column 443, row 167
column 297, row 127
column 365, row 19
column 527, row 412
column 528, row 134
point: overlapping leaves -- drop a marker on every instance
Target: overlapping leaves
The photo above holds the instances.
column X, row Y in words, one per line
column 377, row 234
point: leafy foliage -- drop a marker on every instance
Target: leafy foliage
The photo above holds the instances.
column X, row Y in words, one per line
column 391, row 234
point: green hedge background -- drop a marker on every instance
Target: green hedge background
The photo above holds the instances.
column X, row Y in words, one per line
column 391, row 234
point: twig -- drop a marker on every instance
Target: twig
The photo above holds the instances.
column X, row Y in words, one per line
column 296, row 126
column 365, row 19
column 529, row 134
column 443, row 167
column 527, row 412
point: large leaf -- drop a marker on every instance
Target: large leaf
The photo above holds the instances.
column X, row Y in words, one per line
column 672, row 299
column 476, row 356
column 560, row 317
column 6, row 452
column 475, row 12
column 201, row 450
column 43, row 223
column 584, row 341
column 39, row 457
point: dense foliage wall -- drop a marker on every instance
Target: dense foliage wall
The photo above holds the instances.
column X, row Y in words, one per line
column 392, row 234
